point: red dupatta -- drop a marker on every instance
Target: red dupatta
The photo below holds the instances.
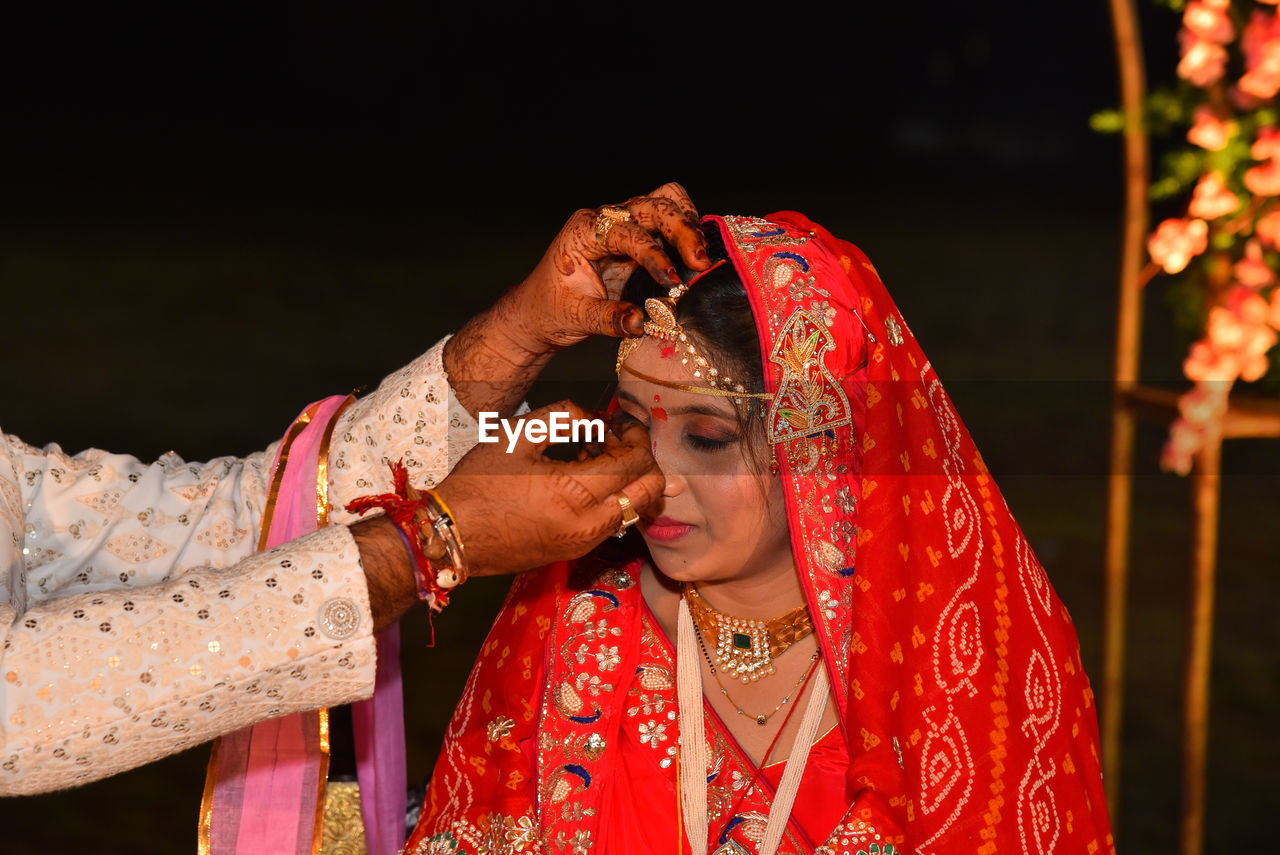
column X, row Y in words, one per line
column 968, row 721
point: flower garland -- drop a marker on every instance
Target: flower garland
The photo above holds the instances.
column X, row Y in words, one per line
column 1227, row 242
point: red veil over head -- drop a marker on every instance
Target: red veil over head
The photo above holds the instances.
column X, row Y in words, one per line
column 968, row 721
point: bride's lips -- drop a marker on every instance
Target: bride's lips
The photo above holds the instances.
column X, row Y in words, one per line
column 666, row 529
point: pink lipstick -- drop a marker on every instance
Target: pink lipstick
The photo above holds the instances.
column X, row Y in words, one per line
column 666, row 529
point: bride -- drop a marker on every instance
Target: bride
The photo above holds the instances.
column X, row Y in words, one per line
column 833, row 639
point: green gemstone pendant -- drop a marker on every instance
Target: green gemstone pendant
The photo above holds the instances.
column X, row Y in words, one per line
column 741, row 641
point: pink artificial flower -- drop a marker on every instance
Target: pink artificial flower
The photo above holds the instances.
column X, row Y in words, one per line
column 1238, row 333
column 1224, row 330
column 1273, row 314
column 1211, row 198
column 1263, row 179
column 1247, row 305
column 1203, row 63
column 1252, row 271
column 1208, row 131
column 1176, row 242
column 1262, row 27
column 1253, row 314
column 1208, row 22
column 1256, row 365
column 1260, row 44
column 1203, row 404
column 1243, row 101
column 1180, row 449
column 1207, row 363
column 1262, row 80
column 1268, row 229
column 1266, row 144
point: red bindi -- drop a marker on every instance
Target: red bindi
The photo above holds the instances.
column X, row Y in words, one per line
column 658, row 413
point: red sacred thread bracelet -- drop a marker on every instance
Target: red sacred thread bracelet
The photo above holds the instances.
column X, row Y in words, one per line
column 430, row 532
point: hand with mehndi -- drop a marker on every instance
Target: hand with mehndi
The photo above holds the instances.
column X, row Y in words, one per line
column 573, row 294
column 521, row 510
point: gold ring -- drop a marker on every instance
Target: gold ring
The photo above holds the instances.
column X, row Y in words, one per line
column 629, row 515
column 610, row 216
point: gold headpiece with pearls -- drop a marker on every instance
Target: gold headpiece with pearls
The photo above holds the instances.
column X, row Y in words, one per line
column 662, row 325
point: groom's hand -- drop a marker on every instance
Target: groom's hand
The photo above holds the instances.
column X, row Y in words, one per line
column 520, row 510
column 572, row 294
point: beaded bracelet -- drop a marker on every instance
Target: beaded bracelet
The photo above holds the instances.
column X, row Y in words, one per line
column 429, row 529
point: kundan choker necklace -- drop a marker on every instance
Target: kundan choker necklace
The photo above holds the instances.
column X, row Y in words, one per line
column 746, row 648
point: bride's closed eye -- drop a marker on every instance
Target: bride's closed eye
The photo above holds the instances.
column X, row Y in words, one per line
column 708, row 444
column 709, row 435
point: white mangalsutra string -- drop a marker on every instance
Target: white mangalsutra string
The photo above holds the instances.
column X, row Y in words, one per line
column 785, row 797
column 694, row 757
column 693, row 743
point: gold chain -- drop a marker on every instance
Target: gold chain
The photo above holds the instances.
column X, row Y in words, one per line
column 761, row 720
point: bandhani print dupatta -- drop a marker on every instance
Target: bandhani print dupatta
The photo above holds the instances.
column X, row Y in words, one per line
column 969, row 722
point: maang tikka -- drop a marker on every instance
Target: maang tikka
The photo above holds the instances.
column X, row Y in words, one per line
column 661, row 324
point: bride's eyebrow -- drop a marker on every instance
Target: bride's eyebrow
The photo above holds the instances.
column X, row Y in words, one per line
column 688, row 409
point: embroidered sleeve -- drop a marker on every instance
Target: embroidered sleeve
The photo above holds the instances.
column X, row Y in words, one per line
column 97, row 683
column 412, row 416
column 97, row 521
column 106, row 529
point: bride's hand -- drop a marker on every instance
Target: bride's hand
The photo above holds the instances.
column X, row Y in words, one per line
column 573, row 292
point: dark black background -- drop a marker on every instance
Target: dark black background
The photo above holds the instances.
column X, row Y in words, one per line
column 213, row 213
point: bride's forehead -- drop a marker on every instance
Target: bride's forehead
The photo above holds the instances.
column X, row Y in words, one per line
column 662, row 361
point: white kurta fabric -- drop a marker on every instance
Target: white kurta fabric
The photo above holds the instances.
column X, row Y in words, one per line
column 136, row 620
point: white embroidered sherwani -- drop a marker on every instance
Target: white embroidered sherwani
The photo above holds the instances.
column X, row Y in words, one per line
column 136, row 619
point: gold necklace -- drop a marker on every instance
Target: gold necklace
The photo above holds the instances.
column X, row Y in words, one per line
column 763, row 719
column 746, row 648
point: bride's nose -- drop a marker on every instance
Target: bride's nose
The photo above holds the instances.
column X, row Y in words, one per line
column 671, row 470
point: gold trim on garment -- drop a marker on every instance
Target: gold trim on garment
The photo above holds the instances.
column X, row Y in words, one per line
column 322, row 468
column 322, row 521
column 299, row 424
column 206, row 801
column 322, row 784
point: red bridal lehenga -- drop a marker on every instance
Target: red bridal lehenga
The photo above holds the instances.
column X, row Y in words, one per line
column 966, row 721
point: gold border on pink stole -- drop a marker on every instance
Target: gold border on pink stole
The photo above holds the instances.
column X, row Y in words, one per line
column 204, row 831
column 322, row 521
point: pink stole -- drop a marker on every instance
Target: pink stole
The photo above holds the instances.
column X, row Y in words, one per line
column 265, row 789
